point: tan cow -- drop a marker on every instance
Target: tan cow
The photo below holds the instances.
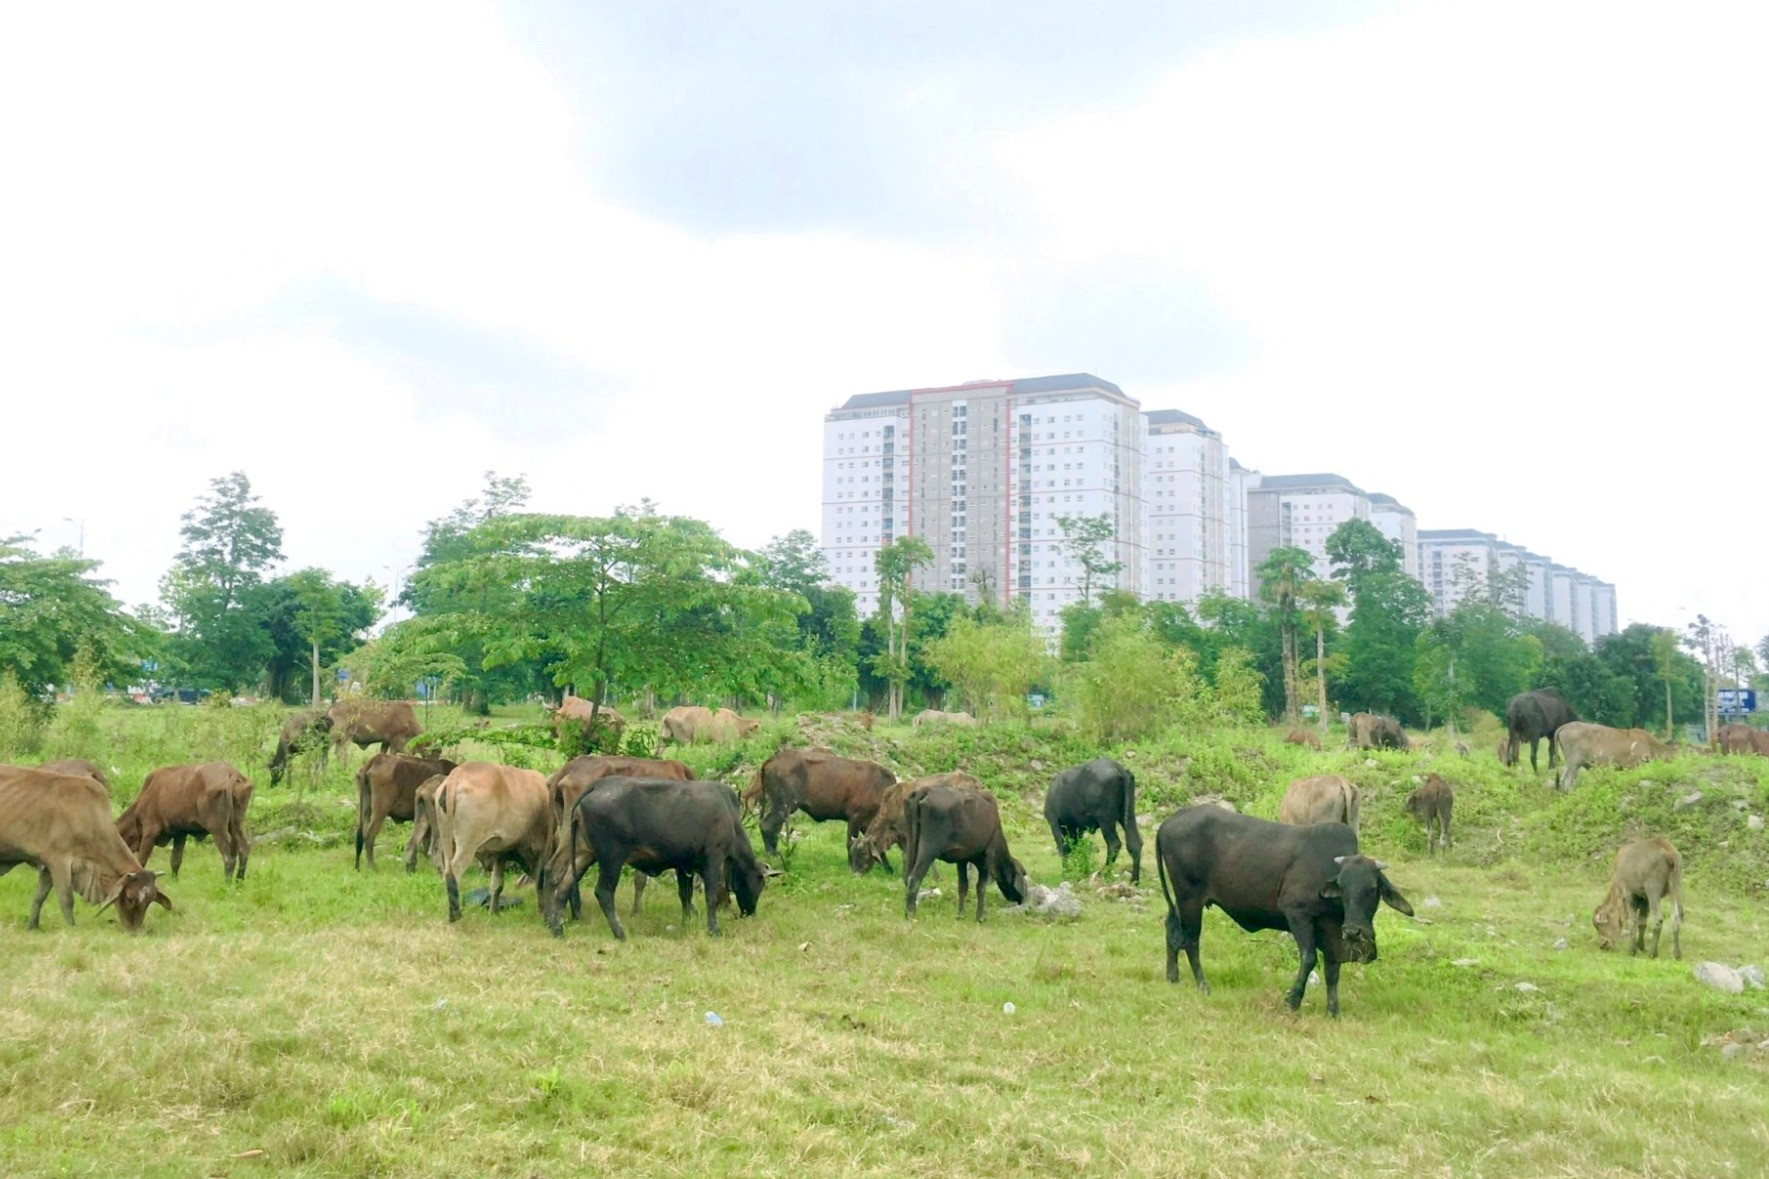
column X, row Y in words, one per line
column 1325, row 798
column 391, row 723
column 1431, row 804
column 424, row 840
column 77, row 767
column 692, row 725
column 574, row 780
column 1736, row 738
column 386, row 788
column 889, row 828
column 60, row 824
column 493, row 814
column 1369, row 730
column 1305, row 737
column 933, row 716
column 1583, row 744
column 574, row 711
column 1647, row 871
column 178, row 802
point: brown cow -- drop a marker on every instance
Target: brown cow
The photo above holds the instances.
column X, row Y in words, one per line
column 391, row 723
column 823, row 786
column 386, row 788
column 691, row 725
column 178, row 802
column 1431, row 804
column 574, row 711
column 888, row 828
column 77, row 767
column 1736, row 738
column 60, row 824
column 305, row 732
column 575, row 778
column 962, row 827
column 1583, row 744
column 1647, row 871
column 1325, row 798
column 1307, row 737
column 1369, row 730
column 494, row 814
column 423, row 840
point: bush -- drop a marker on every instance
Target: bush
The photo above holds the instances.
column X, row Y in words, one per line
column 21, row 721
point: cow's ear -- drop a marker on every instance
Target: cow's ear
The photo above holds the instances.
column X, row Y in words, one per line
column 1391, row 895
column 161, row 898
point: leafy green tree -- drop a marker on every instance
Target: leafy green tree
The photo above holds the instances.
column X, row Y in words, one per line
column 1664, row 660
column 1318, row 602
column 1081, row 619
column 1662, row 680
column 992, row 664
column 1595, row 692
column 1281, row 576
column 1231, row 623
column 313, row 620
column 230, row 543
column 51, row 608
column 1086, row 540
column 1134, row 684
column 1238, row 687
column 895, row 564
column 829, row 630
column 1389, row 610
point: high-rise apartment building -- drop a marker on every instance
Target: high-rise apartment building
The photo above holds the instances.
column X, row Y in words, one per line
column 1396, row 522
column 1455, row 562
column 1187, row 490
column 1300, row 511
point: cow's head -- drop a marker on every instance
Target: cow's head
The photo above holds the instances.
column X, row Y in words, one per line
column 1610, row 920
column 747, row 880
column 133, row 894
column 1016, row 886
column 747, row 727
column 1359, row 887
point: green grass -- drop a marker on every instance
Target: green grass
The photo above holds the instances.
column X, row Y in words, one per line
column 335, row 1022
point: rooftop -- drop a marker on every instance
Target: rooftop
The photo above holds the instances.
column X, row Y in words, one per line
column 1319, row 482
column 1174, row 417
column 1024, row 386
column 1388, row 501
column 1426, row 535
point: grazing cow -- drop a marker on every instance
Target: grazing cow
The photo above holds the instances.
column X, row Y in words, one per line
column 888, row 828
column 494, row 814
column 1647, row 871
column 1737, row 738
column 933, row 716
column 1326, row 798
column 691, row 725
column 76, row 767
column 1534, row 717
column 386, row 788
column 390, row 723
column 1099, row 795
column 1369, row 730
column 575, row 712
column 1306, row 737
column 581, row 773
column 1431, row 804
column 823, row 786
column 962, row 827
column 60, row 824
column 1310, row 881
column 656, row 824
column 1583, row 744
column 425, row 823
column 304, row 732
column 177, row 803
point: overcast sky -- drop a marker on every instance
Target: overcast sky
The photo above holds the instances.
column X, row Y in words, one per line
column 1505, row 262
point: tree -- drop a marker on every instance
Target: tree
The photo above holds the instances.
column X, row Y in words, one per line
column 1085, row 540
column 1319, row 600
column 1641, row 661
column 313, row 620
column 1281, row 576
column 51, row 607
column 829, row 630
column 230, row 542
column 1134, row 685
column 1389, row 610
column 896, row 564
column 1594, row 690
column 992, row 664
column 1664, row 660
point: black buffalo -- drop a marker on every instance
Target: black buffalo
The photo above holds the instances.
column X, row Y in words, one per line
column 1533, row 716
column 962, row 827
column 1308, row 880
column 656, row 824
column 1099, row 795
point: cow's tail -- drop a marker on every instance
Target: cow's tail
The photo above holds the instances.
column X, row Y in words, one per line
column 911, row 832
column 1675, row 890
column 1129, row 815
column 362, row 808
column 752, row 795
column 1166, row 889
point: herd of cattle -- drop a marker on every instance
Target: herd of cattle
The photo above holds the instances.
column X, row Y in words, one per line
column 1303, row 874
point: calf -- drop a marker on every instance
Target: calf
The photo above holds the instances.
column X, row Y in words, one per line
column 1326, row 798
column 494, row 814
column 1736, row 738
column 1583, row 744
column 1305, row 737
column 305, row 732
column 425, row 823
column 1099, row 795
column 1647, row 871
column 1310, row 881
column 60, row 824
column 581, row 774
column 823, row 786
column 1431, row 804
column 887, row 829
column 962, row 827
column 177, row 803
column 386, row 788
column 656, row 824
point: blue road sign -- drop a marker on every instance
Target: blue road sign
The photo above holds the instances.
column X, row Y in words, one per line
column 1735, row 701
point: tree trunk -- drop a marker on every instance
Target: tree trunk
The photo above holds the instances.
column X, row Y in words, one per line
column 1320, row 671
column 1670, row 730
column 314, row 703
column 1288, row 636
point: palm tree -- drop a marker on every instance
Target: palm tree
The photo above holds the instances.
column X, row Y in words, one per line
column 1281, row 574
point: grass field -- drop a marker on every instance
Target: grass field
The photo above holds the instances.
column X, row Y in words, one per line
column 320, row 1021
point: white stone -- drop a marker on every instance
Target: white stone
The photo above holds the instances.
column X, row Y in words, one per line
column 1560, row 943
column 1688, row 800
column 1752, row 975
column 1431, row 902
column 1527, row 987
column 1755, row 822
column 1466, row 962
column 1720, row 977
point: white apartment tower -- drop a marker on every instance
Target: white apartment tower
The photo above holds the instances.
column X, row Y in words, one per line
column 1300, row 511
column 1396, row 521
column 1187, row 491
column 1554, row 593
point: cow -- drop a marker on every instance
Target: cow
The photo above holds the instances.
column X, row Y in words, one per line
column 76, row 767
column 933, row 716
column 177, row 803
column 962, row 827
column 494, row 814
column 566, row 786
column 656, row 824
column 305, row 732
column 1098, row 795
column 386, row 788
column 1311, row 881
column 1431, row 804
column 1533, row 717
column 60, row 824
column 424, row 839
column 823, row 786
column 390, row 723
column 1583, row 744
column 1326, row 798
column 1369, row 730
column 691, row 725
column 1306, row 737
column 575, row 711
column 1737, row 738
column 1647, row 871
column 887, row 829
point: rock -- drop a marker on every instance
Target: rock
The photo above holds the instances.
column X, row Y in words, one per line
column 1752, row 975
column 1647, row 783
column 1466, row 962
column 1720, row 977
column 1431, row 902
column 1755, row 822
column 926, row 894
column 1036, row 765
column 1730, row 1051
column 1560, row 943
column 1060, row 901
column 1369, row 763
column 1688, row 800
column 1740, row 805
column 1527, row 987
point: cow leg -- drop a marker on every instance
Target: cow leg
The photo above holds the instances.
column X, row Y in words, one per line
column 177, row 854
column 371, row 833
column 685, row 891
column 1330, row 970
column 1184, row 928
column 45, row 881
column 712, row 877
column 982, row 885
column 1109, row 829
column 607, row 877
column 1654, row 914
column 640, row 880
column 912, row 874
column 497, row 884
column 1533, row 768
column 242, row 847
column 458, row 857
column 1302, row 929
column 1060, row 838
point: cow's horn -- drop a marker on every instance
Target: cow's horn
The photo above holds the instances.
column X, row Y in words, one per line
column 1339, row 859
column 112, row 899
column 1380, row 866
